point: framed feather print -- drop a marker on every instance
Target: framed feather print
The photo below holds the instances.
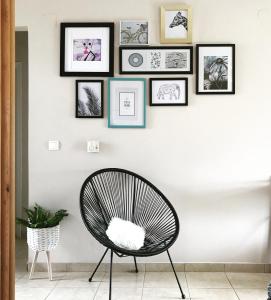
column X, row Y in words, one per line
column 89, row 99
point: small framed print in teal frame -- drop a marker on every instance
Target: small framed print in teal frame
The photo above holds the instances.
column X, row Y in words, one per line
column 126, row 103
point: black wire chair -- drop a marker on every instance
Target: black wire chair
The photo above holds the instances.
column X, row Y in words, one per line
column 109, row 193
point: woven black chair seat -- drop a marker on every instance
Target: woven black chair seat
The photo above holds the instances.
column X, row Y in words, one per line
column 119, row 193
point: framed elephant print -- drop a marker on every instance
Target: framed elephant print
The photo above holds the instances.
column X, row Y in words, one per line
column 168, row 91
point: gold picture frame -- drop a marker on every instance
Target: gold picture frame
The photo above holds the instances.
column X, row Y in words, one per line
column 174, row 17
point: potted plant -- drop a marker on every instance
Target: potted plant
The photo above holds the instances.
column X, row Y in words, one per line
column 42, row 231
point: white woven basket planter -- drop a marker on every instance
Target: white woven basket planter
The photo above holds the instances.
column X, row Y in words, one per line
column 43, row 239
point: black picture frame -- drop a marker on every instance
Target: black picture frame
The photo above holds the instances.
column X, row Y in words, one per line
column 151, row 80
column 136, row 48
column 232, row 91
column 77, row 82
column 63, row 71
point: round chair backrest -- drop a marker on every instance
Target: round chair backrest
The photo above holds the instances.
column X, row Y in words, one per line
column 113, row 192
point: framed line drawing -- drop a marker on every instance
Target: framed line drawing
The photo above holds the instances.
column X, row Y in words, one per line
column 176, row 24
column 168, row 91
column 126, row 103
column 89, row 98
column 134, row 32
column 87, row 49
column 156, row 60
column 215, row 69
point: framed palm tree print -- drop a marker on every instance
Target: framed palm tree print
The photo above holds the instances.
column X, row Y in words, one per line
column 215, row 69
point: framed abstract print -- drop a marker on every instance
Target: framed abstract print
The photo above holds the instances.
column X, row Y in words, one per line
column 156, row 60
column 176, row 24
column 87, row 49
column 126, row 103
column 134, row 32
column 89, row 98
column 215, row 69
column 168, row 91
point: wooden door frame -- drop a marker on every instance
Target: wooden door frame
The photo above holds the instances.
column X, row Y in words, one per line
column 7, row 143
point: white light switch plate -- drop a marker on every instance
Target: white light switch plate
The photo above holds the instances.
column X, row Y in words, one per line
column 93, row 146
column 53, row 145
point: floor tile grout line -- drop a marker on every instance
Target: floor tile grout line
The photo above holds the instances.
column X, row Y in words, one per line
column 143, row 284
column 188, row 289
column 97, row 290
column 232, row 286
column 50, row 291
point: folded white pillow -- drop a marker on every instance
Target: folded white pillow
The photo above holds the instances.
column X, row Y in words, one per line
column 125, row 234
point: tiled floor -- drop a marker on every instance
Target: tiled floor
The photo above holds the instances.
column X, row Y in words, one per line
column 143, row 286
column 140, row 286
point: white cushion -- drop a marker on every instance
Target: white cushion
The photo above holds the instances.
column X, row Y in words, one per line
column 126, row 234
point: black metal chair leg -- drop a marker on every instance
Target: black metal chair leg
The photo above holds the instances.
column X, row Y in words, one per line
column 269, row 291
column 110, row 280
column 90, row 278
column 183, row 295
column 136, row 269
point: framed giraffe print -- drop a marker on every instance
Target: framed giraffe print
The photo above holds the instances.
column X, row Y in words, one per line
column 176, row 24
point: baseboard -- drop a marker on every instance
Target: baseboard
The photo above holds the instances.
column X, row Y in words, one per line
column 158, row 267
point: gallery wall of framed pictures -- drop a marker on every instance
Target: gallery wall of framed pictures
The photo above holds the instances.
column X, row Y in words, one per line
column 87, row 50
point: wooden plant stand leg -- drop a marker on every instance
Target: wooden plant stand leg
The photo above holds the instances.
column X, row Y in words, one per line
column 33, row 264
column 49, row 265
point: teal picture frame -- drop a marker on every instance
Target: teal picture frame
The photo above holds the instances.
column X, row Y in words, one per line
column 144, row 81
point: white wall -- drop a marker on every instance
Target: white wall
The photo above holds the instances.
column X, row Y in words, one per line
column 212, row 159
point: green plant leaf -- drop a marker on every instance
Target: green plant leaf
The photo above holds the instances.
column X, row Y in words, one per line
column 39, row 217
column 22, row 222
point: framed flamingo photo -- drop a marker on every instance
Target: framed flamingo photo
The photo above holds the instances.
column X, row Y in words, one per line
column 87, row 49
column 176, row 24
column 168, row 91
column 215, row 69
